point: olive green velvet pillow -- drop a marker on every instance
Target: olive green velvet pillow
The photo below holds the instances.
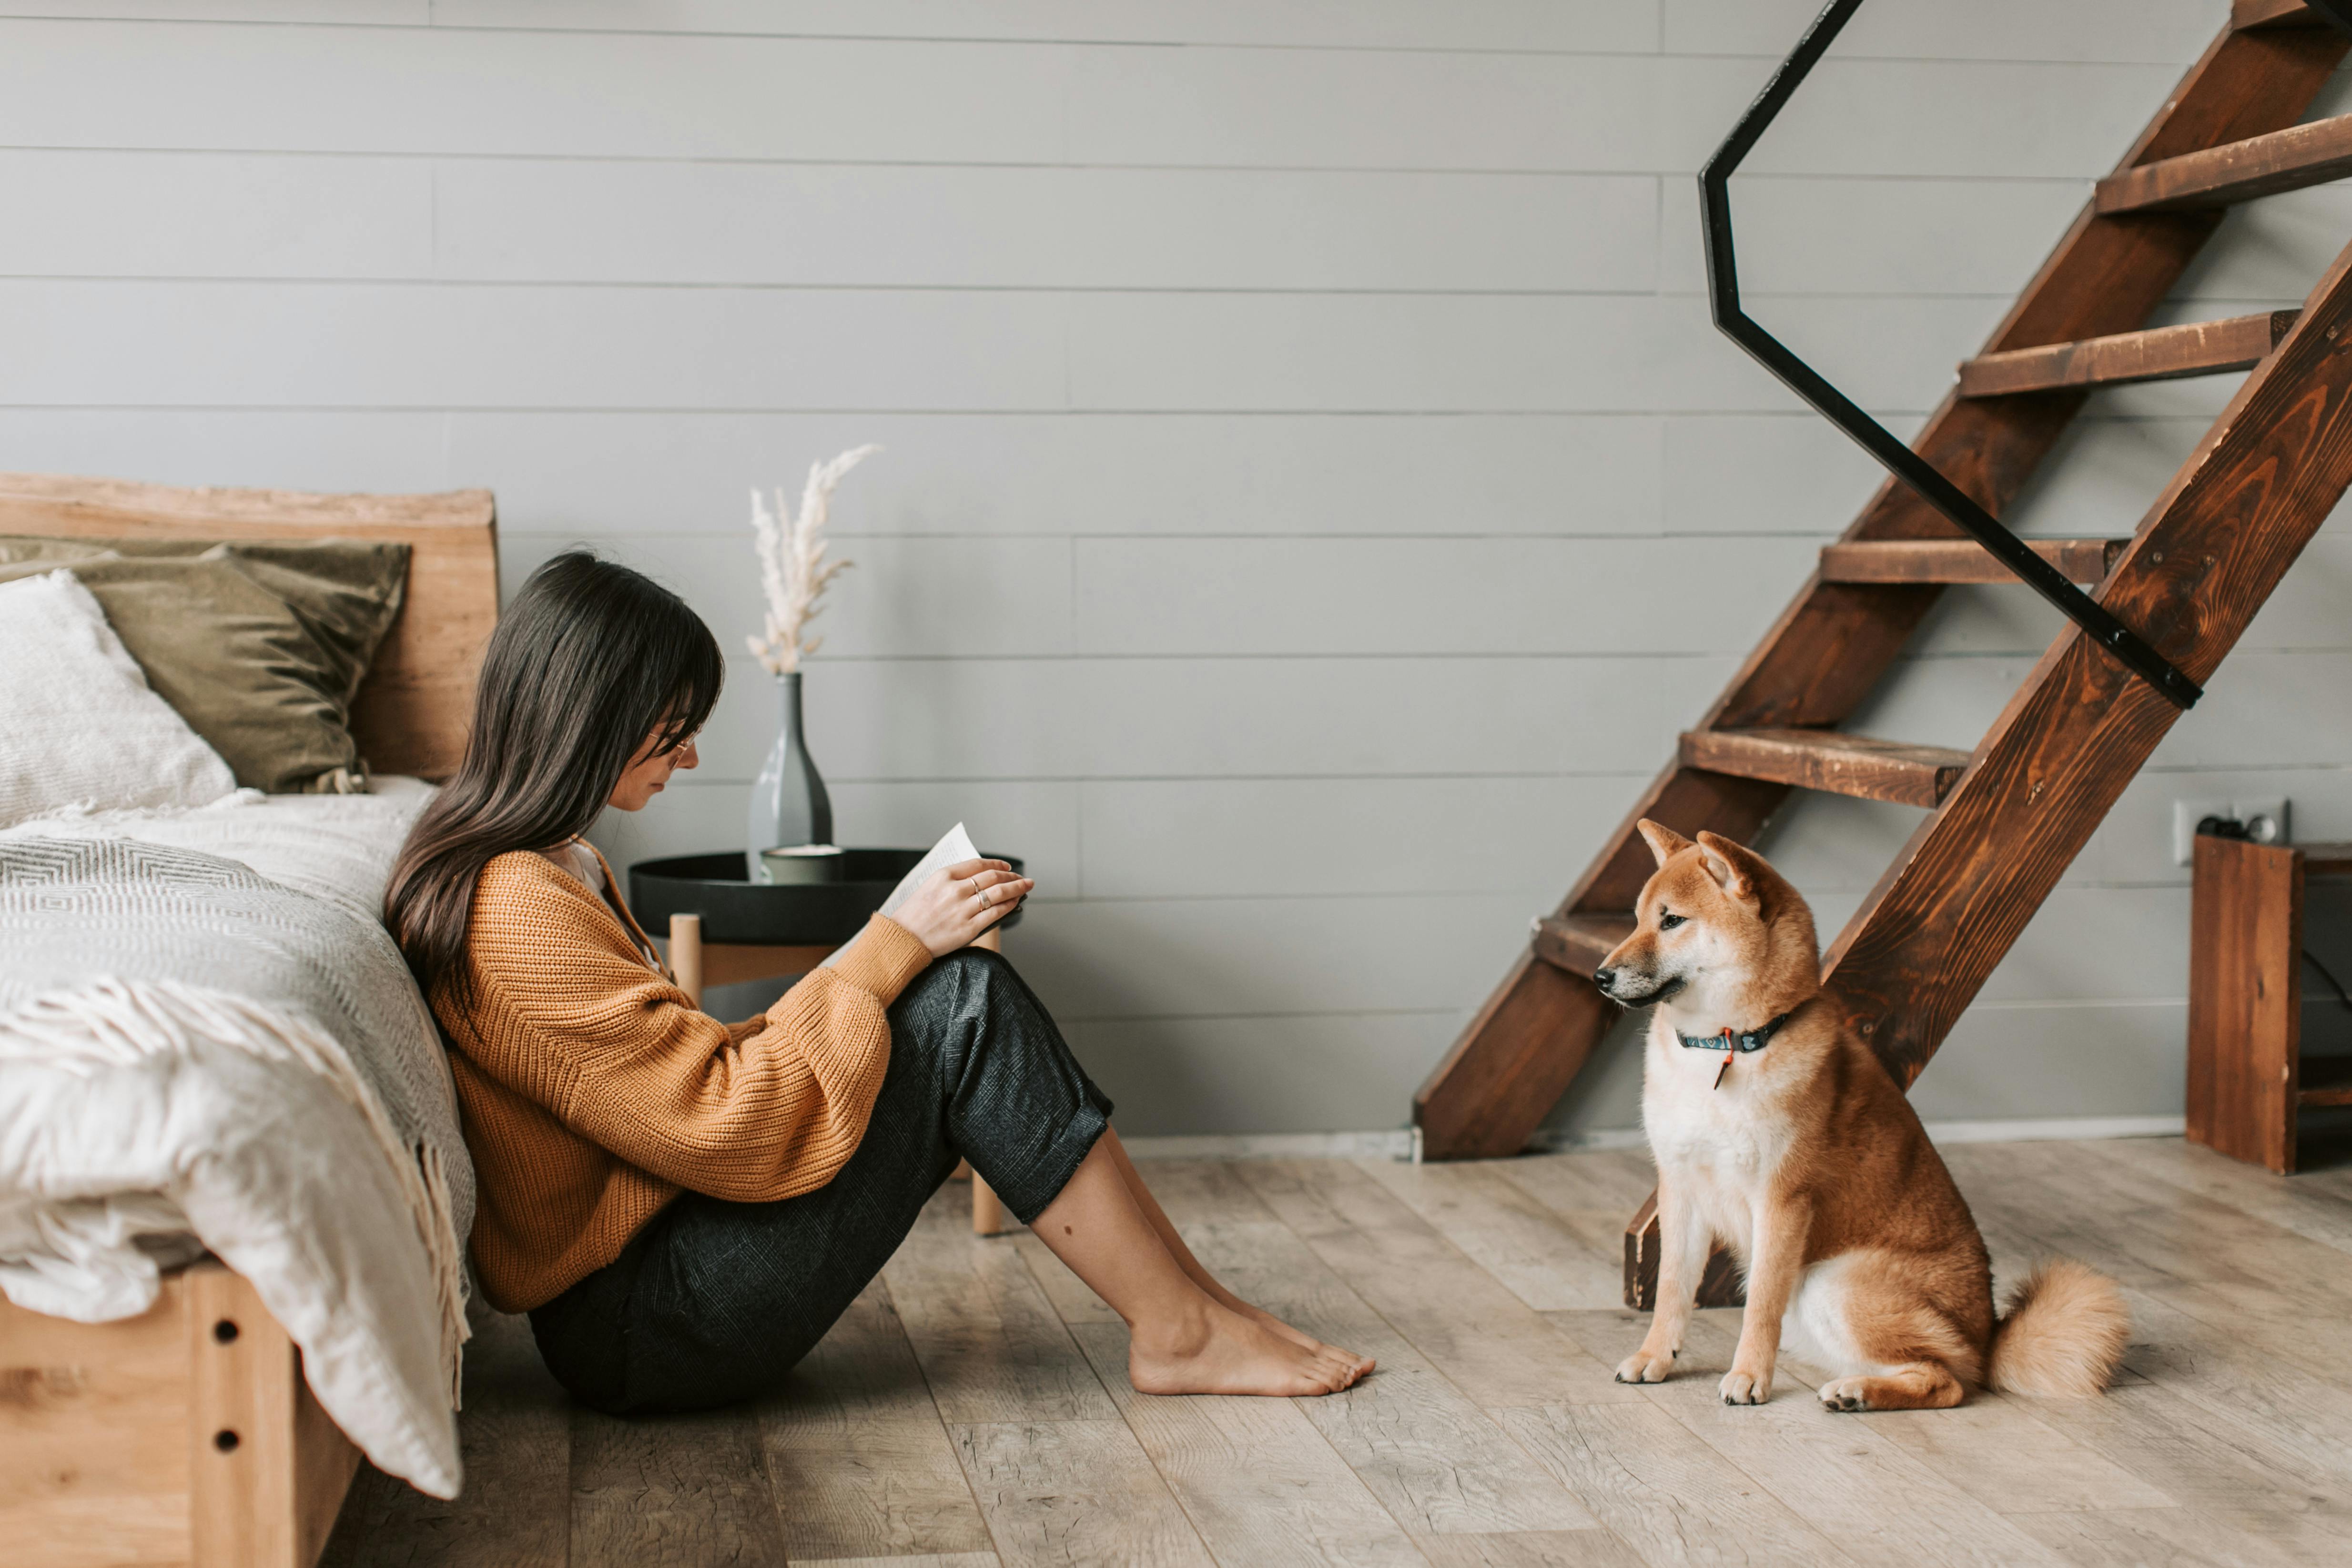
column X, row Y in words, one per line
column 260, row 646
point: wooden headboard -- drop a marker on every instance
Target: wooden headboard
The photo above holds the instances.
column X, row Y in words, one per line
column 414, row 707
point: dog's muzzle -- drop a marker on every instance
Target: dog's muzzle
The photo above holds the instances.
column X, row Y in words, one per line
column 1607, row 980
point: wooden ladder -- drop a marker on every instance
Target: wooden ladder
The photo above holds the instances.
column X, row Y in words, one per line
column 2005, row 820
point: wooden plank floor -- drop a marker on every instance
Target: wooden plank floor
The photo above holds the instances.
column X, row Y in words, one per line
column 972, row 1409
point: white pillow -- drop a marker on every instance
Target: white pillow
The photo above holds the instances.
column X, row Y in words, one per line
column 79, row 727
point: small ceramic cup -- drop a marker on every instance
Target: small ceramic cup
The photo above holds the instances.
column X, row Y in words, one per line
column 800, row 866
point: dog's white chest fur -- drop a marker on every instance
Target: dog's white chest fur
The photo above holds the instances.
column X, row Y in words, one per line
column 1722, row 1145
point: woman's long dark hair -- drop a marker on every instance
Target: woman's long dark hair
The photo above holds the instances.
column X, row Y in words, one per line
column 589, row 661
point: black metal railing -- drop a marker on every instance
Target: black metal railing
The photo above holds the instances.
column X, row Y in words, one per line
column 1723, row 294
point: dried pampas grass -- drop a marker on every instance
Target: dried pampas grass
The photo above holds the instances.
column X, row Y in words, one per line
column 793, row 572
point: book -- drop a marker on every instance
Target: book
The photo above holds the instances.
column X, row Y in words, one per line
column 953, row 848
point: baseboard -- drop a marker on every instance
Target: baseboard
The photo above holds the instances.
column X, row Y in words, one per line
column 1393, row 1144
column 2039, row 1130
column 1551, row 1141
column 1398, row 1144
column 2016, row 1130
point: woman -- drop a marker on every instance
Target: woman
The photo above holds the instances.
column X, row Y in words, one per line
column 684, row 1207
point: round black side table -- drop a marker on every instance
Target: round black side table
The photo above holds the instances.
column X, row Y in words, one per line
column 725, row 928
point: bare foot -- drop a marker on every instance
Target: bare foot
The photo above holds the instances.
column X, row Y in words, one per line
column 1218, row 1351
column 1259, row 1315
column 1264, row 1319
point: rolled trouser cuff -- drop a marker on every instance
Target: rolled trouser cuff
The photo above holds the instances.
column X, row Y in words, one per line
column 1031, row 1190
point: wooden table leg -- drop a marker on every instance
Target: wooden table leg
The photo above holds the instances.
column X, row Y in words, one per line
column 989, row 1216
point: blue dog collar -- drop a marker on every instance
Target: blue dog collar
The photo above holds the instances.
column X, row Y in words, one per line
column 1754, row 1039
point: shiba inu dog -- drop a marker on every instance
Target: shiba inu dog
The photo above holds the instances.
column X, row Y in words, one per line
column 1777, row 1131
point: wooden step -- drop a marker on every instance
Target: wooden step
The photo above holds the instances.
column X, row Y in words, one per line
column 2160, row 354
column 2285, row 159
column 2326, row 1081
column 1826, row 760
column 2246, row 16
column 1578, row 942
column 1959, row 560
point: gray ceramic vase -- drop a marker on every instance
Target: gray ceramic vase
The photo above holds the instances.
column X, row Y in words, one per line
column 789, row 805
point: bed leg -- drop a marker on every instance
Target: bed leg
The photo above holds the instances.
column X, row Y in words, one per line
column 267, row 1468
column 686, row 954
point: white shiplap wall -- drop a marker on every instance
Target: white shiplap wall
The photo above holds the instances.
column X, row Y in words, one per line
column 1314, row 499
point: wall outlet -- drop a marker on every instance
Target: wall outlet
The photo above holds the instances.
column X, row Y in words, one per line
column 2267, row 822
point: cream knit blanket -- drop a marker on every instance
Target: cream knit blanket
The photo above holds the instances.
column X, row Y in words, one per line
column 187, row 1045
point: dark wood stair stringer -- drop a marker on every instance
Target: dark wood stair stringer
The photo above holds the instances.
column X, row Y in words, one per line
column 1830, row 648
column 2246, row 15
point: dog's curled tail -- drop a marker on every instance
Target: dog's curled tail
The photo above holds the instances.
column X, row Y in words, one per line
column 2064, row 1332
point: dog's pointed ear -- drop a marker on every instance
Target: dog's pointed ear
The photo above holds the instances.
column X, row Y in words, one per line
column 1664, row 843
column 1739, row 868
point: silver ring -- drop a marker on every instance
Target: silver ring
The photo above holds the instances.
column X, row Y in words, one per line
column 986, row 901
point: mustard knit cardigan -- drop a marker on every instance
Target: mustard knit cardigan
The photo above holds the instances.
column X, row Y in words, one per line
column 591, row 1093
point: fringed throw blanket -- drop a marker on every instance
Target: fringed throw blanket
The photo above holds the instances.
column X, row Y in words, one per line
column 188, row 1046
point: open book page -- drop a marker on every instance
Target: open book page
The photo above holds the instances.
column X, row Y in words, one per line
column 953, row 848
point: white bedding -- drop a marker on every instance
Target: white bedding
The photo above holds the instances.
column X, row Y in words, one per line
column 208, row 1041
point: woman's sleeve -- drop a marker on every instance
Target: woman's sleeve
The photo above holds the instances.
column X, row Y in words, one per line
column 671, row 1089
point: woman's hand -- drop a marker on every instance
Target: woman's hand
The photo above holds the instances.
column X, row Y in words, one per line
column 960, row 902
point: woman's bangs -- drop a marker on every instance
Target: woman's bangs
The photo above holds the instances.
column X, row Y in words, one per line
column 695, row 691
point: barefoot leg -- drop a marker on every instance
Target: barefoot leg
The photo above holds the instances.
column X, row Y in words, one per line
column 1192, row 1266
column 1181, row 1341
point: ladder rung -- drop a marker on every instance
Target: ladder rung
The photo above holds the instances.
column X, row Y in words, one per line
column 2245, row 16
column 2159, row 354
column 1959, row 560
column 2285, row 159
column 1578, row 942
column 1826, row 760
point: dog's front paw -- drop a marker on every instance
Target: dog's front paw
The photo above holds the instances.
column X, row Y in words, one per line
column 1746, row 1387
column 1845, row 1393
column 1645, row 1366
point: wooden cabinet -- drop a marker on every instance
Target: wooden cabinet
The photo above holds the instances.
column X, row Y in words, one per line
column 2247, row 1081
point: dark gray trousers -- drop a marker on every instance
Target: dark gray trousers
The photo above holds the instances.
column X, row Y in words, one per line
column 714, row 1302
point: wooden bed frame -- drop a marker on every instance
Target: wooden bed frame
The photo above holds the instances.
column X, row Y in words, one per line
column 186, row 1435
